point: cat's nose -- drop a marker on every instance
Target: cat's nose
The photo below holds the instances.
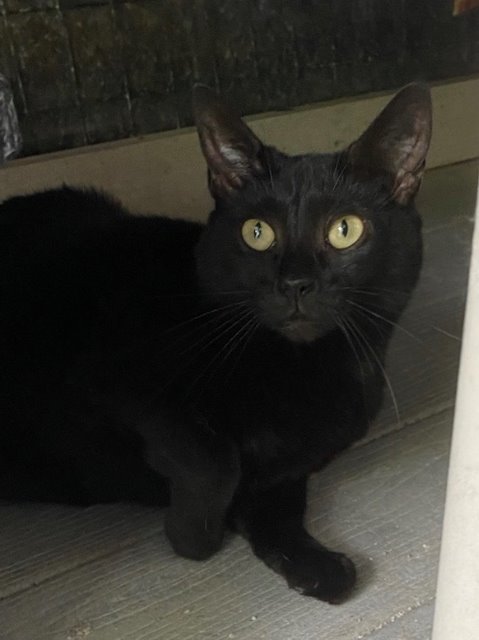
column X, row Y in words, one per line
column 297, row 287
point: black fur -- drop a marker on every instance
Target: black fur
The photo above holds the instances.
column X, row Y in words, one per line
column 167, row 362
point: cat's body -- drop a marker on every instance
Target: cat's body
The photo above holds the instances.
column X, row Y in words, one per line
column 162, row 361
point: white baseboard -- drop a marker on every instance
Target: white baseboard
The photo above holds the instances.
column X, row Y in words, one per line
column 165, row 172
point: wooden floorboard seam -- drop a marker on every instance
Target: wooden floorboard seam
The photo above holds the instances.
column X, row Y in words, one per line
column 81, row 565
column 395, row 617
column 428, row 412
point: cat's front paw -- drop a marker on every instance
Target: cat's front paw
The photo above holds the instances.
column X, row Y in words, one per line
column 317, row 572
column 193, row 539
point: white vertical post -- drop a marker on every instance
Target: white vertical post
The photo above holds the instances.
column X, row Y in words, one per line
column 457, row 604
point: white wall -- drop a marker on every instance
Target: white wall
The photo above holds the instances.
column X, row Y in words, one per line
column 457, row 605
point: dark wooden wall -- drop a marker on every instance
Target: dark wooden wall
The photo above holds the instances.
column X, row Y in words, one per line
column 86, row 71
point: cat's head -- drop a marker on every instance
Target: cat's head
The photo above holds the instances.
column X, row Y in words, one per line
column 310, row 239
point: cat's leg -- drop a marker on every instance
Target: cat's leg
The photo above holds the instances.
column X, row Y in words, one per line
column 203, row 470
column 272, row 520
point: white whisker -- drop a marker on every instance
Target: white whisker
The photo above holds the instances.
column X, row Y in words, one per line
column 387, row 380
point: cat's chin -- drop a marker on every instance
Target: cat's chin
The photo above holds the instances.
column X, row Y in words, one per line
column 302, row 331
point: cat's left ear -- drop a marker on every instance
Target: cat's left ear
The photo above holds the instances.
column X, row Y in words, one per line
column 231, row 149
column 397, row 142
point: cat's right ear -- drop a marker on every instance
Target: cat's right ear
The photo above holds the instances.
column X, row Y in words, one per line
column 231, row 149
column 396, row 143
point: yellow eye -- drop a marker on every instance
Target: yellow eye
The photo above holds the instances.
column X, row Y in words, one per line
column 258, row 234
column 345, row 231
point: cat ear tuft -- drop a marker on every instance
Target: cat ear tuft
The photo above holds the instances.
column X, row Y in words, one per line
column 232, row 151
column 397, row 142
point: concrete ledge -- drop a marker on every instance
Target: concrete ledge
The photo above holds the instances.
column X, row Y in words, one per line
column 165, row 173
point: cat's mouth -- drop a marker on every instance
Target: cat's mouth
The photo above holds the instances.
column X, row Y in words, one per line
column 299, row 328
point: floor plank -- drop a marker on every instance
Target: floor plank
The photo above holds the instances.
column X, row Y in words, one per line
column 413, row 623
column 381, row 503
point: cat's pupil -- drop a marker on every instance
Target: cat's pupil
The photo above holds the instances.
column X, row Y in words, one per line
column 257, row 230
column 344, row 228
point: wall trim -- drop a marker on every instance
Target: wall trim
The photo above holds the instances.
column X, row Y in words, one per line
column 165, row 173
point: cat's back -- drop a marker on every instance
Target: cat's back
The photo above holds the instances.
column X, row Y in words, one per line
column 62, row 206
column 67, row 221
column 34, row 227
column 70, row 257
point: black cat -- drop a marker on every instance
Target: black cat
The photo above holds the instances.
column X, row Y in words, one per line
column 212, row 368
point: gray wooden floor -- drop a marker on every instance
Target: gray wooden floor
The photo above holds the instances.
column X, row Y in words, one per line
column 107, row 573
